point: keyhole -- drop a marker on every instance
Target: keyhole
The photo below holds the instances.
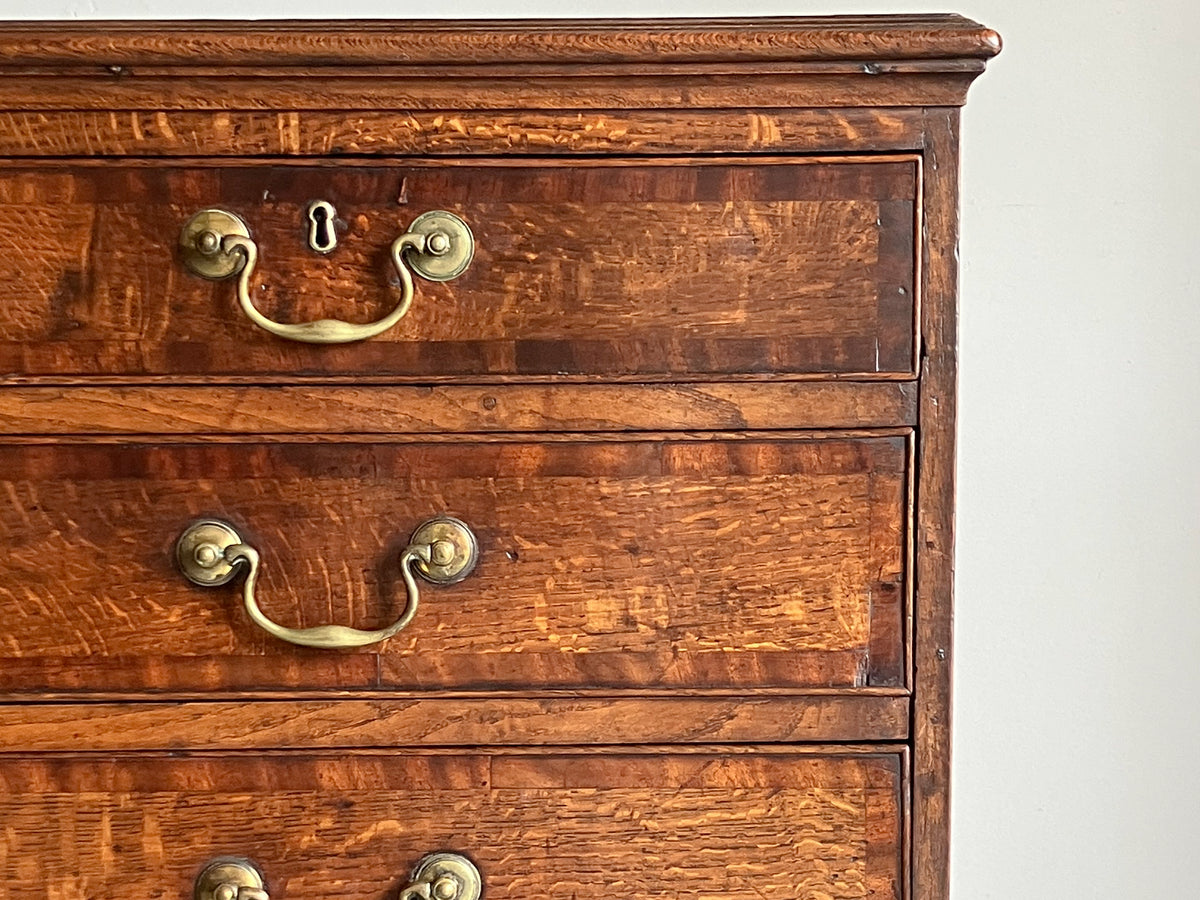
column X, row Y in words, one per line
column 321, row 234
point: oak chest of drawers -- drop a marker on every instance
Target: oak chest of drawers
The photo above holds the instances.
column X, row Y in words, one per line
column 458, row 459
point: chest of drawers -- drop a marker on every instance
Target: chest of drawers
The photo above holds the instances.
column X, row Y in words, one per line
column 458, row 459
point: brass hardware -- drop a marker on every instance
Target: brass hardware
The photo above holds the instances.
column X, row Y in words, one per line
column 216, row 244
column 449, row 245
column 453, row 550
column 200, row 552
column 228, row 878
column 211, row 553
column 438, row 876
column 444, row 876
column 201, row 243
column 322, row 236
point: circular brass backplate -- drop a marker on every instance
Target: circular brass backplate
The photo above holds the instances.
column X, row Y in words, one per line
column 200, row 552
column 453, row 550
column 445, row 871
column 450, row 246
column 226, row 870
column 204, row 256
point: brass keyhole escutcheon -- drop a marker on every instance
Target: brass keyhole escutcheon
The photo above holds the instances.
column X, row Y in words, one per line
column 322, row 233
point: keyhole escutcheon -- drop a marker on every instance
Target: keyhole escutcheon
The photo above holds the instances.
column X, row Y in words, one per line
column 322, row 236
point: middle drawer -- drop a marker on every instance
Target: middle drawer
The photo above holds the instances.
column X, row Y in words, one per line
column 718, row 562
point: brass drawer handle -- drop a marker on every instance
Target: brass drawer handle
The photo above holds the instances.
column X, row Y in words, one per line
column 443, row 876
column 216, row 244
column 211, row 553
column 438, row 876
column 228, row 878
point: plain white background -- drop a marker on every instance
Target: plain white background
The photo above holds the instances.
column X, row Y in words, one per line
column 1078, row 627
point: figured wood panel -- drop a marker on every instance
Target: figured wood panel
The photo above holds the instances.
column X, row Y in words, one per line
column 693, row 562
column 800, row 825
column 695, row 268
column 444, row 721
column 166, row 409
column 451, row 132
column 817, row 84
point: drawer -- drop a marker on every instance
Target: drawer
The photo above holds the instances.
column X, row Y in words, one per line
column 718, row 562
column 796, row 824
column 634, row 269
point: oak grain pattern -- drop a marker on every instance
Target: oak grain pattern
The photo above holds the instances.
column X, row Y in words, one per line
column 454, row 132
column 934, row 604
column 468, row 88
column 634, row 268
column 415, row 721
column 569, row 824
column 353, row 409
column 266, row 96
column 705, row 563
column 535, row 42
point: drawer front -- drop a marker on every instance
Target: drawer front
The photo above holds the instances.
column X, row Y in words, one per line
column 624, row 269
column 749, row 824
column 717, row 562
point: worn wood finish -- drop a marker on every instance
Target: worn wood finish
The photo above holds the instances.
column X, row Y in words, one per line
column 935, row 525
column 456, row 132
column 523, row 43
column 473, row 90
column 604, row 268
column 695, row 237
column 706, row 563
column 164, row 409
column 451, row 721
column 719, row 64
column 748, row 825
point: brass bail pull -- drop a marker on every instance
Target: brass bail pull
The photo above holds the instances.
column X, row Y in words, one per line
column 444, row 876
column 228, row 878
column 211, row 553
column 438, row 876
column 216, row 244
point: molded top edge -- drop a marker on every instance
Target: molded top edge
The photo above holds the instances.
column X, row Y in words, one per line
column 460, row 42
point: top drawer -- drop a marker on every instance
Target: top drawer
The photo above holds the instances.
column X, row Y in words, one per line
column 636, row 269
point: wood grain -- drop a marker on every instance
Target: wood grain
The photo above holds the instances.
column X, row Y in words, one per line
column 565, row 825
column 525, row 42
column 415, row 721
column 803, row 266
column 934, row 606
column 718, row 64
column 695, row 236
column 164, row 409
column 935, row 83
column 705, row 563
column 451, row 132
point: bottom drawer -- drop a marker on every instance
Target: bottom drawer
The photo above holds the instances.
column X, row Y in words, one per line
column 753, row 823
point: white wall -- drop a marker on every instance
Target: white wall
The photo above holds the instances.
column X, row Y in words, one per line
column 1078, row 592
